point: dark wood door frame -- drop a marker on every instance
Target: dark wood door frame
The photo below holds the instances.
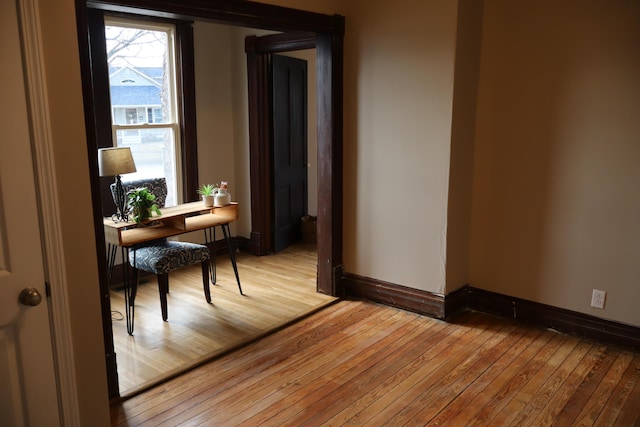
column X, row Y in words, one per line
column 329, row 67
column 329, row 37
column 259, row 51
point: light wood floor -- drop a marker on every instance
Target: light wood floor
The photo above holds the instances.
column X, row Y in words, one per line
column 278, row 289
column 361, row 363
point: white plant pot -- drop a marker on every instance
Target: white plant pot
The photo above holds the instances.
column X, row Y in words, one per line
column 222, row 199
column 208, row 200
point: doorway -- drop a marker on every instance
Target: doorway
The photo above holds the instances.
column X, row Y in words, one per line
column 329, row 33
column 290, row 163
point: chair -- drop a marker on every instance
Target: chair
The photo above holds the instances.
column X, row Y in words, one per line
column 163, row 256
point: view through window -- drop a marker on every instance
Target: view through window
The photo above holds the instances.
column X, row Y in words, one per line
column 142, row 86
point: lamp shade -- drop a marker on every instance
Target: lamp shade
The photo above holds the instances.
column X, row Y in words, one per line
column 115, row 161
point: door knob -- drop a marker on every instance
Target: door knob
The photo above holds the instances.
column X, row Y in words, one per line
column 30, row 296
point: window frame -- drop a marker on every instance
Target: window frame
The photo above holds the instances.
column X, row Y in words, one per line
column 185, row 99
column 173, row 120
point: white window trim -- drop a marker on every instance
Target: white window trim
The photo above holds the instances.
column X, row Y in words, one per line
column 173, row 120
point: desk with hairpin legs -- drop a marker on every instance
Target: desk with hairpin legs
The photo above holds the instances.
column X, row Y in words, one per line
column 174, row 221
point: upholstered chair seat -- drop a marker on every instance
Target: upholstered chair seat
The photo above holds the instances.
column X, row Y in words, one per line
column 163, row 256
column 167, row 256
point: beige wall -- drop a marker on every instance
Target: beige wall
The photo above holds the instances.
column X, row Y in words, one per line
column 556, row 201
column 216, row 148
column 467, row 63
column 399, row 69
column 222, row 119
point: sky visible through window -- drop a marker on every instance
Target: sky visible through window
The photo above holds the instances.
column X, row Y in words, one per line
column 135, row 47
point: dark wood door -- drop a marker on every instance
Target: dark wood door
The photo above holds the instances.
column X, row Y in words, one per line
column 289, row 84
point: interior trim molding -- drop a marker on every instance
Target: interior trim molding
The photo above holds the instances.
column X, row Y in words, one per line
column 418, row 301
column 469, row 298
column 559, row 319
column 53, row 253
column 281, row 42
column 329, row 38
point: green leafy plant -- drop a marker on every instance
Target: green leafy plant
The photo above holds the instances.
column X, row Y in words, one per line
column 207, row 189
column 141, row 204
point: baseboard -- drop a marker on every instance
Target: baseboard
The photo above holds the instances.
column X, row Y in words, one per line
column 410, row 299
column 252, row 245
column 559, row 319
column 247, row 245
column 470, row 298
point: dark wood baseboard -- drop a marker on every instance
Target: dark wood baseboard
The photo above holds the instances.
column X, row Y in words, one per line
column 252, row 245
column 559, row 319
column 415, row 300
column 470, row 298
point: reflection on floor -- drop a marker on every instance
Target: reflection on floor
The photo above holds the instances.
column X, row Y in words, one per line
column 278, row 289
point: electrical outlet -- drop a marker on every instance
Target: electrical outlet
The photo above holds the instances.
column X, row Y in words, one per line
column 597, row 298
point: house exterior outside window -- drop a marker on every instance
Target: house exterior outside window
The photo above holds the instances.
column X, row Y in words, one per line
column 143, row 99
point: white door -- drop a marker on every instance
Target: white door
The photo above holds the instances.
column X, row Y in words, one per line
column 28, row 394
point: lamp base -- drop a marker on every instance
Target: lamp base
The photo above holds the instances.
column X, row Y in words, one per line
column 122, row 214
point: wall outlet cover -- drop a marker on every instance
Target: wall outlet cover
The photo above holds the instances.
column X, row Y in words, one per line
column 597, row 299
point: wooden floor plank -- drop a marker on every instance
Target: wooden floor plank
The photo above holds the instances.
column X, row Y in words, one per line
column 359, row 363
column 548, row 415
column 197, row 387
column 441, row 337
column 547, row 392
column 627, row 409
column 520, row 400
column 273, row 359
column 278, row 288
column 578, row 401
column 318, row 401
column 402, row 403
column 436, row 398
column 407, row 355
column 260, row 389
column 595, row 409
column 481, row 391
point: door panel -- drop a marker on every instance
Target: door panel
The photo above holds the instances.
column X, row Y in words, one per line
column 28, row 393
column 289, row 148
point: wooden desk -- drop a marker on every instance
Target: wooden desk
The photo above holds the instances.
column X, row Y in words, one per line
column 174, row 221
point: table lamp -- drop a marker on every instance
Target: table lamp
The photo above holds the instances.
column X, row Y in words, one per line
column 116, row 161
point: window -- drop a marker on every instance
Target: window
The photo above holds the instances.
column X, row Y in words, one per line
column 142, row 84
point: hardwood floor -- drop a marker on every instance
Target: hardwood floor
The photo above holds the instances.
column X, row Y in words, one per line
column 278, row 289
column 361, row 363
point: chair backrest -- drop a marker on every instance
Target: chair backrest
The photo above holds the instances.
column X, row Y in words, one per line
column 157, row 186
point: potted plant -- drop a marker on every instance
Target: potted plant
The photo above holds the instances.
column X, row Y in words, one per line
column 208, row 191
column 141, row 204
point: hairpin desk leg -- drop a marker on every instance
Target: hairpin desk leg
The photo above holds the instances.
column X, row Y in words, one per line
column 227, row 237
column 212, row 259
column 112, row 250
column 129, row 290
